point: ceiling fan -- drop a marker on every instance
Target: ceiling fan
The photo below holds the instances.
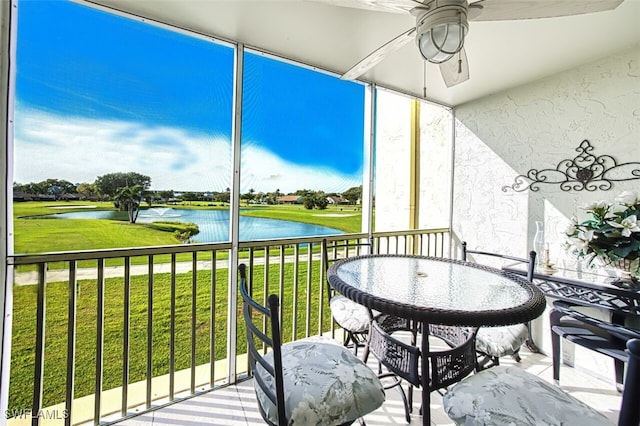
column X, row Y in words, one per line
column 442, row 25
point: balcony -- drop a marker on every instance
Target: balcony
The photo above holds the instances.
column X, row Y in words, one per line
column 101, row 335
column 145, row 335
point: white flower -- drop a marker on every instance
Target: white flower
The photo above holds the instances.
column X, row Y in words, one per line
column 571, row 228
column 579, row 245
column 618, row 208
column 586, row 236
column 628, row 198
column 628, row 225
column 596, row 205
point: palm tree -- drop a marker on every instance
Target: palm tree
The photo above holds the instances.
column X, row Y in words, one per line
column 129, row 198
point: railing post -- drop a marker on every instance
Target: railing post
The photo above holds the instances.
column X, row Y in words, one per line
column 172, row 330
column 149, row 332
column 71, row 342
column 99, row 342
column 38, row 375
column 125, row 335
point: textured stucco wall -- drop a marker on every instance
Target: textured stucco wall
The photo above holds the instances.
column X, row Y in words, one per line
column 535, row 127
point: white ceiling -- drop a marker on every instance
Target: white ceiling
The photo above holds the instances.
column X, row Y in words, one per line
column 501, row 54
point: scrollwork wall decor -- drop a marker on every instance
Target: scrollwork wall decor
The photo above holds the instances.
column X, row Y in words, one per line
column 583, row 172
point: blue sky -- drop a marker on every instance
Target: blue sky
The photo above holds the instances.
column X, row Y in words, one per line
column 99, row 93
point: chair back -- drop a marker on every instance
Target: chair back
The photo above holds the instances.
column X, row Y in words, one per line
column 530, row 262
column 452, row 365
column 400, row 358
column 630, row 409
column 259, row 342
column 447, row 366
column 336, row 250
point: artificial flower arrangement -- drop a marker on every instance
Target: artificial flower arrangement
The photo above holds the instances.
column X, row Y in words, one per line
column 611, row 233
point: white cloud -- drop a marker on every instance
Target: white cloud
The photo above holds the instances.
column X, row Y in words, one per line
column 80, row 149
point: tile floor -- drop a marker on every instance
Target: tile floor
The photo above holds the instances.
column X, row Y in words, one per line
column 236, row 405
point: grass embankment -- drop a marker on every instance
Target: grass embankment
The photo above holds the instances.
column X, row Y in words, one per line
column 24, row 321
column 44, row 235
column 346, row 218
column 34, row 234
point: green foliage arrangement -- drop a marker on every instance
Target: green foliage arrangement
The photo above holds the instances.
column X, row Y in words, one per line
column 611, row 232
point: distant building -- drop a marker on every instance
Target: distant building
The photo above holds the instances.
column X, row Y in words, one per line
column 70, row 197
column 335, row 199
column 22, row 196
column 289, row 199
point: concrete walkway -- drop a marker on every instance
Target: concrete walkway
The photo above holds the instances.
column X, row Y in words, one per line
column 62, row 275
column 58, row 275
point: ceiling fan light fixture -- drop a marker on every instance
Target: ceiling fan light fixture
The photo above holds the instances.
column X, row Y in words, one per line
column 441, row 31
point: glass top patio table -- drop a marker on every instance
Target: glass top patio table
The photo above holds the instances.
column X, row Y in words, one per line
column 436, row 291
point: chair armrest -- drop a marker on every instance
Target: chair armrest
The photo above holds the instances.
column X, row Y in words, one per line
column 616, row 330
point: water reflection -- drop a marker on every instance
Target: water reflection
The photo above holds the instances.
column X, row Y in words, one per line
column 213, row 224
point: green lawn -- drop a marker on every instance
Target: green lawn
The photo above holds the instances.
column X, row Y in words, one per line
column 344, row 218
column 23, row 337
column 43, row 235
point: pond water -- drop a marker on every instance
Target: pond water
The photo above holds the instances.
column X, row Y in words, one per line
column 213, row 224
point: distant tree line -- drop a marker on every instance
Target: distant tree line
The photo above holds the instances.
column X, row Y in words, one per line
column 129, row 190
column 108, row 186
column 309, row 198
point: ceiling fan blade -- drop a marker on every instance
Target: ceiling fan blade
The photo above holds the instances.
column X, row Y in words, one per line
column 378, row 55
column 394, row 6
column 504, row 10
column 455, row 70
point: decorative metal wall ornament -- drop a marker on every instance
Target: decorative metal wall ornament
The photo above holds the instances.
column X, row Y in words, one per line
column 584, row 172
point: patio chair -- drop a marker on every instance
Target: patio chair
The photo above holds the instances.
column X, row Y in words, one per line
column 492, row 343
column 305, row 382
column 402, row 360
column 567, row 322
column 510, row 396
column 351, row 316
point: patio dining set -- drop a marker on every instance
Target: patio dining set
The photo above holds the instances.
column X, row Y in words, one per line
column 393, row 307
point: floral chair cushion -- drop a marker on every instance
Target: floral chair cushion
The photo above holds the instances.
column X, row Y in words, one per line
column 324, row 384
column 507, row 395
column 501, row 341
column 349, row 314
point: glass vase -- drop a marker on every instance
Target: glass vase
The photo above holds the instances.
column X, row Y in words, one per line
column 538, row 242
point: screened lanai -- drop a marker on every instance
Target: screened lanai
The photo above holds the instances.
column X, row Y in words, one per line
column 436, row 165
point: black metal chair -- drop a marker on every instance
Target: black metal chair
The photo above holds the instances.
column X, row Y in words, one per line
column 492, row 343
column 352, row 317
column 610, row 339
column 308, row 381
column 509, row 395
column 402, row 360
